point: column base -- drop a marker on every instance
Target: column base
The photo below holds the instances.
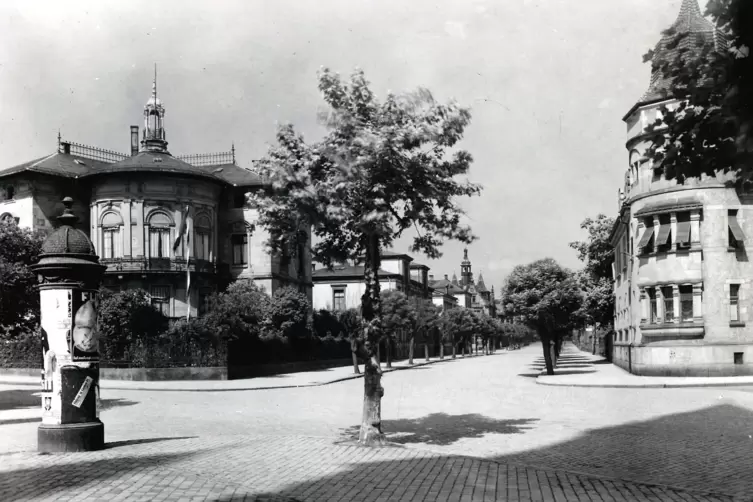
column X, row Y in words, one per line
column 88, row 436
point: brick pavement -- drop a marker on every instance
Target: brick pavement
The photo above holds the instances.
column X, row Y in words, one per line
column 478, row 423
column 300, row 468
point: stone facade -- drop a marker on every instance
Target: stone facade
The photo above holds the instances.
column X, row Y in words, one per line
column 682, row 273
column 132, row 207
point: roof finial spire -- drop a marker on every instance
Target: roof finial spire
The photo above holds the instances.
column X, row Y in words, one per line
column 154, row 82
column 232, row 150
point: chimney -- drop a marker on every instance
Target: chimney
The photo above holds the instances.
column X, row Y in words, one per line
column 313, row 267
column 134, row 140
column 445, row 277
column 431, row 277
column 66, row 147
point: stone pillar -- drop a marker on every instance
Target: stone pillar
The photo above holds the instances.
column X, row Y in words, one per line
column 673, row 227
column 697, row 303
column 69, row 274
column 644, row 306
column 657, row 227
column 676, row 303
column 125, row 214
column 695, row 229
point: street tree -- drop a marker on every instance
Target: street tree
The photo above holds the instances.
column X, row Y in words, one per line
column 383, row 168
column 427, row 317
column 398, row 315
column 595, row 279
column 350, row 320
column 709, row 129
column 19, row 298
column 547, row 297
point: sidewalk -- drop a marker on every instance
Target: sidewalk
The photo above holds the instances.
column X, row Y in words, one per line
column 281, row 381
column 577, row 368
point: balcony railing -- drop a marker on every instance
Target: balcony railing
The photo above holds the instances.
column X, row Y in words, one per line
column 91, row 152
column 163, row 265
column 209, row 159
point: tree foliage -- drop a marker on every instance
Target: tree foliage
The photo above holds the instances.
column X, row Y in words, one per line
column 596, row 278
column 398, row 312
column 545, row 295
column 382, row 169
column 710, row 129
column 124, row 318
column 19, row 298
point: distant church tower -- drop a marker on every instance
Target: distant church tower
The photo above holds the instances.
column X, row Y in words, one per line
column 466, row 276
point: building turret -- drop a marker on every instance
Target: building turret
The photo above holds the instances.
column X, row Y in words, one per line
column 154, row 117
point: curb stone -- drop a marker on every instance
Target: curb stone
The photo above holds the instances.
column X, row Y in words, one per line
column 112, row 384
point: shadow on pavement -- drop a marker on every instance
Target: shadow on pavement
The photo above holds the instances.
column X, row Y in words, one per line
column 19, row 398
column 443, row 429
column 703, row 452
column 130, row 442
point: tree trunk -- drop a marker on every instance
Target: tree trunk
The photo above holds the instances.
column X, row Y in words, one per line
column 379, row 353
column 454, row 350
column 388, row 348
column 371, row 421
column 547, row 356
column 426, row 351
column 553, row 353
column 441, row 350
column 353, row 352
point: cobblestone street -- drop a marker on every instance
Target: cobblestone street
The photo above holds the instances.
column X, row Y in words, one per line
column 473, row 429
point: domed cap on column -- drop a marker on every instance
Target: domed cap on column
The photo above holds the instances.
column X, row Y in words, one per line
column 66, row 239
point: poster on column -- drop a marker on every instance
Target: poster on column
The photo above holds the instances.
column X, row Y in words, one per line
column 84, row 340
column 56, row 320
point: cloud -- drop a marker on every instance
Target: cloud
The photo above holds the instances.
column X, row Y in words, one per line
column 455, row 29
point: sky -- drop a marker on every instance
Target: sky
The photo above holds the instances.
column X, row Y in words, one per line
column 547, row 81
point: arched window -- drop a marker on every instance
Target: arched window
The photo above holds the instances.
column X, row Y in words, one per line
column 159, row 235
column 9, row 218
column 112, row 246
column 203, row 238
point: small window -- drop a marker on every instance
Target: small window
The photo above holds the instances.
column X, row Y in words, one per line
column 10, row 192
column 338, row 299
column 735, row 235
column 664, row 234
column 669, row 304
column 653, row 314
column 686, row 303
column 161, row 299
column 738, row 357
column 734, row 302
column 240, row 249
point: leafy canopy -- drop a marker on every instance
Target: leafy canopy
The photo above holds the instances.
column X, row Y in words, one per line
column 710, row 129
column 19, row 298
column 544, row 294
column 383, row 168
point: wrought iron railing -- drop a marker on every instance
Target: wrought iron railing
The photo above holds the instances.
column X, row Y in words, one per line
column 90, row 152
column 209, row 159
column 135, row 265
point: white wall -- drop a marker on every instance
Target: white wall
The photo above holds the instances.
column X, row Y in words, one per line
column 322, row 295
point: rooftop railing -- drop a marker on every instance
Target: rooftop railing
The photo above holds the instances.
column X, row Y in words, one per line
column 208, row 159
column 90, row 152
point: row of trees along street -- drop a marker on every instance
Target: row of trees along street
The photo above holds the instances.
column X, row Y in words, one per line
column 382, row 169
column 554, row 301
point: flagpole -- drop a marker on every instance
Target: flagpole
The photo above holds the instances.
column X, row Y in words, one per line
column 188, row 268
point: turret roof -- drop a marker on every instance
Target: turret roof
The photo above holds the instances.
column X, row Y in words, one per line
column 701, row 33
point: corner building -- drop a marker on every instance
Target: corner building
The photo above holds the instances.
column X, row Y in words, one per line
column 682, row 271
column 132, row 207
